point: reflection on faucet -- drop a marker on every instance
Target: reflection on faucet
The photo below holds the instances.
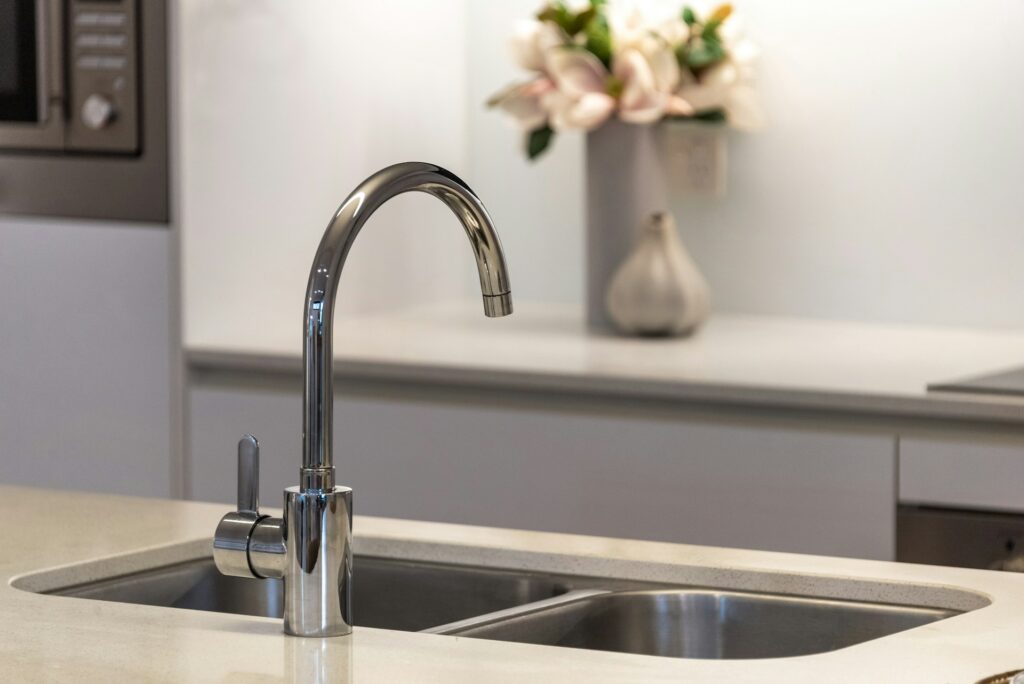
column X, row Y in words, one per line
column 318, row 661
column 310, row 547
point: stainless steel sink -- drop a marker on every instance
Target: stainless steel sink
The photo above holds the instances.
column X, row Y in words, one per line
column 393, row 594
column 689, row 623
column 538, row 608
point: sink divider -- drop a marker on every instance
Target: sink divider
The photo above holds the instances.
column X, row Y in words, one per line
column 454, row 628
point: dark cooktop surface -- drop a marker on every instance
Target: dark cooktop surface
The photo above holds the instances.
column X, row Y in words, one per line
column 1007, row 382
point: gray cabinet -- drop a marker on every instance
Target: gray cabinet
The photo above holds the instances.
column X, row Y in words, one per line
column 85, row 368
column 972, row 471
column 545, row 464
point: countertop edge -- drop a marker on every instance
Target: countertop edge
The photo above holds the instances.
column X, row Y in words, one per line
column 935, row 405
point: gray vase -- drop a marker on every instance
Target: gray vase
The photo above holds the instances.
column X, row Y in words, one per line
column 625, row 185
column 658, row 289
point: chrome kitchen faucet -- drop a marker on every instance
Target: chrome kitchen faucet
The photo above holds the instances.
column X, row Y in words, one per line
column 311, row 546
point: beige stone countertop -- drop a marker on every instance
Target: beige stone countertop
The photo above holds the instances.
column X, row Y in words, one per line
column 47, row 533
column 756, row 361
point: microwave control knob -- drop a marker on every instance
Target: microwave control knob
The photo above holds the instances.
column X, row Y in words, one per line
column 97, row 112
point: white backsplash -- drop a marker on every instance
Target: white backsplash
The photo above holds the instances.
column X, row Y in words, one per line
column 284, row 108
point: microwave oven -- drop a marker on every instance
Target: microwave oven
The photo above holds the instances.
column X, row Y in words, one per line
column 83, row 108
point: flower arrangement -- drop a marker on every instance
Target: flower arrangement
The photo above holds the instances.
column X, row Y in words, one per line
column 588, row 64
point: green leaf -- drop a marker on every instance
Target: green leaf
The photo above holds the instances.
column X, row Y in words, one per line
column 570, row 22
column 538, row 140
column 681, row 55
column 580, row 21
column 599, row 39
column 704, row 52
column 689, row 16
column 710, row 116
column 559, row 14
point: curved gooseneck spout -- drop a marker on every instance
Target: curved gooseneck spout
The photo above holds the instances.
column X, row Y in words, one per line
column 318, row 398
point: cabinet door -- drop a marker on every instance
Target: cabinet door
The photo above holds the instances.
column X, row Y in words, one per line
column 963, row 473
column 85, row 399
column 580, row 471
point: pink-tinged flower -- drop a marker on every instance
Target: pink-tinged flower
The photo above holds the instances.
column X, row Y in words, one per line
column 641, row 100
column 583, row 113
column 677, row 106
column 532, row 40
column 655, row 44
column 577, row 72
column 524, row 102
column 580, row 100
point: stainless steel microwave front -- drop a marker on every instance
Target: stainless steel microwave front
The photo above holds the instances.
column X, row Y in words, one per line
column 71, row 76
column 83, row 108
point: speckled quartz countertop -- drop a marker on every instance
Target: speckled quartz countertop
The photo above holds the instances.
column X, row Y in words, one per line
column 48, row 535
column 752, row 361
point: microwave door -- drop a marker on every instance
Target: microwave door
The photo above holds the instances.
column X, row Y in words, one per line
column 31, row 78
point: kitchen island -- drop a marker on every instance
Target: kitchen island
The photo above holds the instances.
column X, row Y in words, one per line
column 55, row 538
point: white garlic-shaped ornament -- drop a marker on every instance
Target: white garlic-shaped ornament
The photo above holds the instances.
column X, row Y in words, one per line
column 658, row 289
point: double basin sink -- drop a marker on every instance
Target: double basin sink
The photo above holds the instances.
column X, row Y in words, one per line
column 541, row 608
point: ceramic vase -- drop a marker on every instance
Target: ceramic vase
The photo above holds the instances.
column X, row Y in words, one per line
column 630, row 169
column 658, row 289
column 694, row 158
column 625, row 185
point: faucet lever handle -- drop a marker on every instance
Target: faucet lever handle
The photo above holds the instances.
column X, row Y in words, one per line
column 249, row 475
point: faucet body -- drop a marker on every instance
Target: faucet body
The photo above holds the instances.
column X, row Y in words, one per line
column 311, row 546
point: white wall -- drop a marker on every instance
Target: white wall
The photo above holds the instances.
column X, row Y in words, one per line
column 85, row 354
column 285, row 108
column 886, row 185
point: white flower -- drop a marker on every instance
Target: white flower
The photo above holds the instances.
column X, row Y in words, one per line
column 577, row 6
column 580, row 100
column 721, row 87
column 641, row 100
column 524, row 102
column 627, row 28
column 634, row 39
column 531, row 42
column 728, row 85
column 576, row 71
column 571, row 89
column 583, row 113
column 673, row 31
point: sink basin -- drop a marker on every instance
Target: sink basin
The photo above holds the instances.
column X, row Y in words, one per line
column 688, row 623
column 539, row 608
column 393, row 594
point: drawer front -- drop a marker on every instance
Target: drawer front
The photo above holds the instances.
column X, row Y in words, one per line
column 962, row 473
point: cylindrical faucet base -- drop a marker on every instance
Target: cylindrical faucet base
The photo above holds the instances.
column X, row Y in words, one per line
column 318, row 577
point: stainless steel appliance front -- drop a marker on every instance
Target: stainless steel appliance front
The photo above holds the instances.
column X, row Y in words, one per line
column 990, row 540
column 83, row 108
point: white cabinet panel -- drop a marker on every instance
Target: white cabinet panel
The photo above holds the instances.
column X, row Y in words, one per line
column 966, row 473
column 572, row 471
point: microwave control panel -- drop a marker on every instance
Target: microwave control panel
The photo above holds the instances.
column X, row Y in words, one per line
column 103, row 72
